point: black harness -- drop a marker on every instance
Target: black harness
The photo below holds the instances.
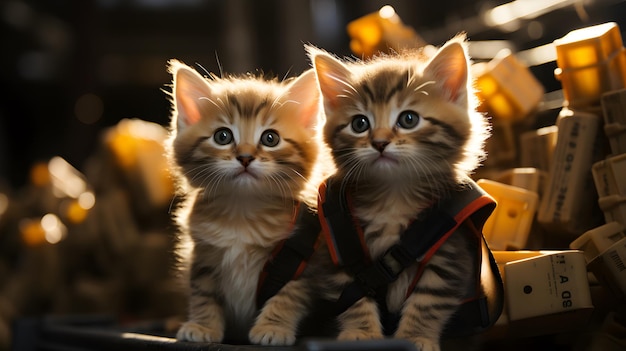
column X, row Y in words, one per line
column 470, row 207
column 291, row 256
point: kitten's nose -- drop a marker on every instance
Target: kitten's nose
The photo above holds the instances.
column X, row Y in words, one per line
column 245, row 159
column 380, row 145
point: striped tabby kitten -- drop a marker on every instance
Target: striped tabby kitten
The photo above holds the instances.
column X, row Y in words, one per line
column 244, row 149
column 403, row 132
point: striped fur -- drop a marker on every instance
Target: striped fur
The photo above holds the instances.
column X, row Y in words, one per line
column 245, row 150
column 396, row 168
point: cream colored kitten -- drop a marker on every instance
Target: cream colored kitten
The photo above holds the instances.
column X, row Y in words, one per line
column 245, row 152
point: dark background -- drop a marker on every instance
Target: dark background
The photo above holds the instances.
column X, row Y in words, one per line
column 115, row 51
column 71, row 69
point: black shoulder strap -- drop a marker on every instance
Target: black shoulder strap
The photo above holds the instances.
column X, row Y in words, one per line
column 343, row 237
column 493, row 289
column 344, row 243
column 289, row 258
column 371, row 279
column 481, row 312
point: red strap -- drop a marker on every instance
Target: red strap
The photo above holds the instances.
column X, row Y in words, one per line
column 279, row 247
column 328, row 234
column 459, row 218
column 429, row 254
column 325, row 229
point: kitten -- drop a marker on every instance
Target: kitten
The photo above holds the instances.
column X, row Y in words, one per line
column 403, row 133
column 244, row 151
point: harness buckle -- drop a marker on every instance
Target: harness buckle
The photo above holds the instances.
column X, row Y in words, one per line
column 386, row 269
column 394, row 261
column 389, row 265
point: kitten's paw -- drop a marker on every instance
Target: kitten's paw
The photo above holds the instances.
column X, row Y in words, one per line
column 359, row 334
column 192, row 331
column 270, row 334
column 424, row 344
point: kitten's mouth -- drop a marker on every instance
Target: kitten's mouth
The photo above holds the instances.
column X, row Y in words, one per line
column 384, row 159
column 245, row 174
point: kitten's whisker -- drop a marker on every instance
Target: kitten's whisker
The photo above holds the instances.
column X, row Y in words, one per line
column 428, row 167
column 219, row 65
column 299, row 175
column 354, row 169
column 348, row 179
column 425, row 84
column 410, row 77
column 351, row 90
column 208, row 182
column 282, row 188
column 212, row 180
column 349, row 93
column 204, row 172
column 419, row 87
column 224, row 108
column 277, row 104
column 207, row 73
column 220, row 106
column 172, row 201
column 208, row 176
column 198, row 173
column 289, row 101
column 287, row 74
column 215, row 185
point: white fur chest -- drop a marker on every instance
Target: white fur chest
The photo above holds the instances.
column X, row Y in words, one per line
column 244, row 238
column 241, row 266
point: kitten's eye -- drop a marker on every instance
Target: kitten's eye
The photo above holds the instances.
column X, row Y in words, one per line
column 408, row 119
column 223, row 136
column 270, row 138
column 360, row 124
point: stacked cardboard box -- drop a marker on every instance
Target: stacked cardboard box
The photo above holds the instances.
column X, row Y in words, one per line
column 543, row 181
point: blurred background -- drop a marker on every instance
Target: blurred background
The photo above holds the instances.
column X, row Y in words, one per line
column 82, row 111
column 71, row 68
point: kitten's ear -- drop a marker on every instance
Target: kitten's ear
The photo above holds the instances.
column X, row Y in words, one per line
column 305, row 95
column 449, row 68
column 188, row 89
column 332, row 75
